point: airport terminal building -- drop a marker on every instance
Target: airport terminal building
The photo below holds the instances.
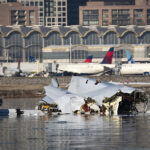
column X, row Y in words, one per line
column 73, row 43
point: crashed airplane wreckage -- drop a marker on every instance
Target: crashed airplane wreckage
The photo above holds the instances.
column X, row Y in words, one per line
column 86, row 96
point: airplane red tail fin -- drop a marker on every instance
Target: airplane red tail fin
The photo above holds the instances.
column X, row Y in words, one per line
column 88, row 59
column 108, row 57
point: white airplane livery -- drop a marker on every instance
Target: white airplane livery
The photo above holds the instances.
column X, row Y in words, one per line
column 88, row 68
column 85, row 69
column 134, row 68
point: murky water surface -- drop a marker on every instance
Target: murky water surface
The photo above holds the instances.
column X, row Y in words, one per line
column 70, row 131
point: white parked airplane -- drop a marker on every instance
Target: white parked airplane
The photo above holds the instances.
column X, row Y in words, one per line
column 88, row 68
column 17, row 69
column 8, row 70
column 134, row 68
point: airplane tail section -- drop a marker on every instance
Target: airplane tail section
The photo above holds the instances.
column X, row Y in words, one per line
column 32, row 59
column 108, row 57
column 54, row 82
column 88, row 59
column 129, row 57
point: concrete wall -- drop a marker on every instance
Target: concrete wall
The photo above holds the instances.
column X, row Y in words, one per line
column 24, row 81
column 65, row 80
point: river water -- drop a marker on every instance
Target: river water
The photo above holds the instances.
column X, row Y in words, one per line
column 73, row 132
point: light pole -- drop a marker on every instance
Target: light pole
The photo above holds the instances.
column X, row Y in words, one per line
column 70, row 49
column 7, row 55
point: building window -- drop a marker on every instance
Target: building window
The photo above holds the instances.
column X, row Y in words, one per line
column 36, row 3
column 51, row 4
column 52, row 39
column 27, row 3
column 53, row 19
column 91, row 39
column 105, row 17
column 119, row 54
column 41, row 14
column 22, row 3
column 121, row 17
column 63, row 3
column 114, row 12
column 59, row 19
column 147, row 52
column 59, row 8
column 48, row 19
column 105, row 10
column 105, row 22
column 128, row 38
column 148, row 16
column 41, row 3
column 110, row 38
column 31, row 17
column 59, row 3
column 31, row 3
column 138, row 17
column 90, row 17
column 64, row 19
column 41, row 19
column 14, row 44
column 79, row 55
column 145, row 38
column 41, row 9
column 59, row 13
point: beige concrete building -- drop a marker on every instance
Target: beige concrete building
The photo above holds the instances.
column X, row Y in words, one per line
column 49, row 12
column 16, row 14
column 122, row 13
